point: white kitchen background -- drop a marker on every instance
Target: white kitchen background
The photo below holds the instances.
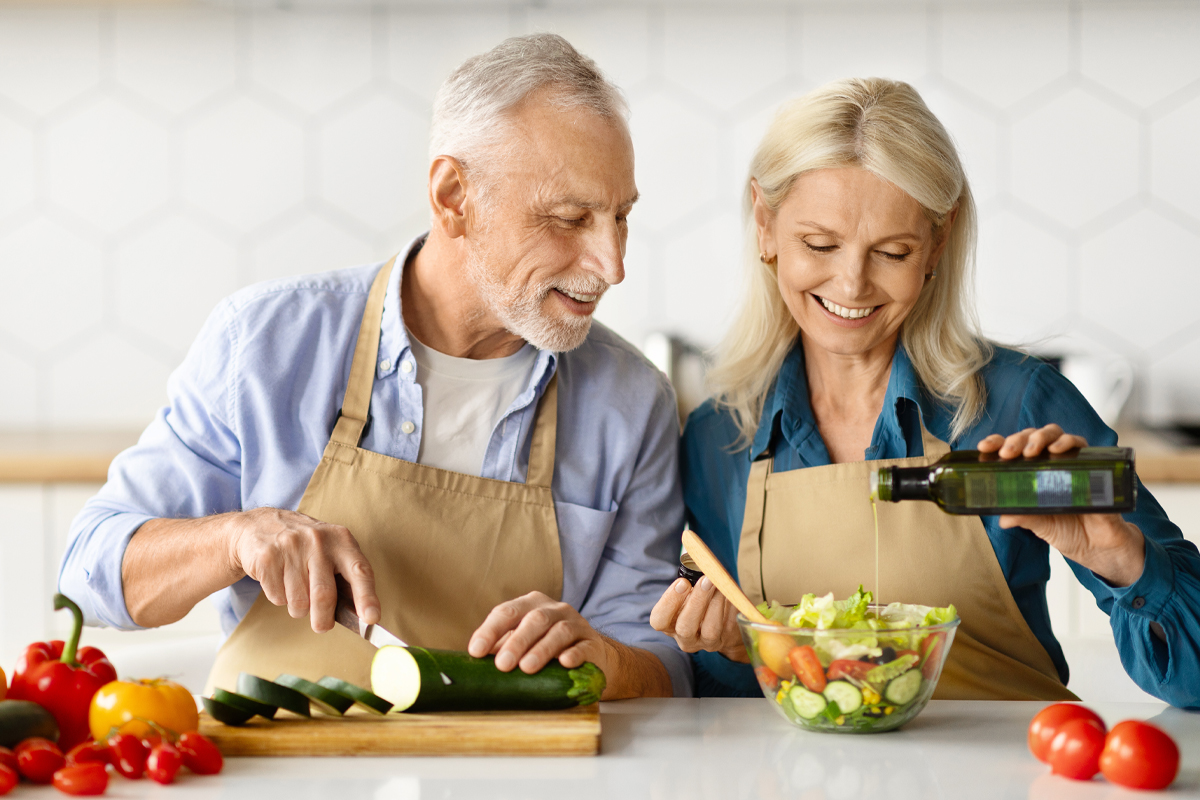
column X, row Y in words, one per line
column 156, row 157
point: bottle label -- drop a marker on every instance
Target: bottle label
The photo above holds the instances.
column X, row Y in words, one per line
column 1081, row 489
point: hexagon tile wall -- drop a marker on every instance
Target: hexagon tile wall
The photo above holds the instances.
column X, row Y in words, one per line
column 155, row 159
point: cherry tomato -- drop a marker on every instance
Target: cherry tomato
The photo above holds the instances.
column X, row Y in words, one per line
column 200, row 755
column 38, row 759
column 1075, row 751
column 1046, row 722
column 89, row 753
column 767, row 678
column 128, row 754
column 844, row 668
column 89, row 777
column 8, row 758
column 163, row 763
column 808, row 667
column 8, row 779
column 1140, row 756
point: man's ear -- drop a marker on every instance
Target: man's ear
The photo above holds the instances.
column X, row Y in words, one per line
column 448, row 196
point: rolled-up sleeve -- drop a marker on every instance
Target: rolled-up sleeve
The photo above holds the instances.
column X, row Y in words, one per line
column 186, row 464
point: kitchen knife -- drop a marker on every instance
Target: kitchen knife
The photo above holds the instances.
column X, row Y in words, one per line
column 345, row 615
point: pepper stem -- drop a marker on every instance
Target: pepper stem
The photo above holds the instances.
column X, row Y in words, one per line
column 61, row 601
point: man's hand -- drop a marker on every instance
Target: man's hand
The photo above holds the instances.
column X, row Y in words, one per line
column 533, row 629
column 295, row 557
column 1104, row 543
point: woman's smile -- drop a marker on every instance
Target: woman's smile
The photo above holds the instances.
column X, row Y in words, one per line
column 848, row 316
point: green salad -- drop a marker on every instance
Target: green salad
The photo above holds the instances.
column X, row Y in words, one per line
column 860, row 668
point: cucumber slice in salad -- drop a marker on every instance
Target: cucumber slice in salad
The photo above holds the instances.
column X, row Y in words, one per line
column 847, row 696
column 902, row 690
column 805, row 703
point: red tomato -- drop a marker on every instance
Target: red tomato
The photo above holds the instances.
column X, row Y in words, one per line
column 808, row 667
column 200, row 755
column 8, row 758
column 89, row 753
column 1046, row 724
column 38, row 759
column 8, row 778
column 845, row 668
column 767, row 678
column 1140, row 756
column 128, row 754
column 1075, row 751
column 87, row 778
column 163, row 763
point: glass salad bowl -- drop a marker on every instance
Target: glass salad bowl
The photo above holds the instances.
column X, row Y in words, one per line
column 870, row 675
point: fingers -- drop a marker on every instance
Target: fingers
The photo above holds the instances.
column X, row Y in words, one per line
column 353, row 566
column 662, row 616
column 1031, row 442
column 502, row 619
column 531, row 630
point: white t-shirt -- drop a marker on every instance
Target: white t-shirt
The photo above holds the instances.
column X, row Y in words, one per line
column 464, row 398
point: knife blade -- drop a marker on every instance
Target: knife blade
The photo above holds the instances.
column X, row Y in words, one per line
column 345, row 614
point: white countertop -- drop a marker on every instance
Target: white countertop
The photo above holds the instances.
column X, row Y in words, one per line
column 717, row 749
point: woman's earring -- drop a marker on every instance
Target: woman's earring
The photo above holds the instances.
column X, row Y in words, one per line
column 931, row 275
column 770, row 262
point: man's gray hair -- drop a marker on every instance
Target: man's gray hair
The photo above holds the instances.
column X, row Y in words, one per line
column 470, row 112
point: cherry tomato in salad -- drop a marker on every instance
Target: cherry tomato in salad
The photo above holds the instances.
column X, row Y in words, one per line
column 1140, row 756
column 87, row 778
column 200, row 755
column 767, row 678
column 89, row 753
column 1075, row 751
column 164, row 761
column 128, row 754
column 1046, row 723
column 8, row 758
column 807, row 667
column 38, row 759
column 8, row 779
column 845, row 668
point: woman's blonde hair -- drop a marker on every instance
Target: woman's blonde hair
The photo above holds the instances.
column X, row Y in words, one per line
column 884, row 127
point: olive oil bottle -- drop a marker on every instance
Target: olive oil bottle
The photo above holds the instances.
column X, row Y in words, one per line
column 1089, row 480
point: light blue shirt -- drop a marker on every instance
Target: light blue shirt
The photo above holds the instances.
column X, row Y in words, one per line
column 252, row 406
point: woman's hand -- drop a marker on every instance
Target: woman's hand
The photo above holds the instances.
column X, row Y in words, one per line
column 1104, row 543
column 700, row 618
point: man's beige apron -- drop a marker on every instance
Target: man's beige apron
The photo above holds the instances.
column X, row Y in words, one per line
column 445, row 547
column 811, row 530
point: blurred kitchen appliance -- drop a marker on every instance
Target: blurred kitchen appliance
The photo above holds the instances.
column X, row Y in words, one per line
column 685, row 365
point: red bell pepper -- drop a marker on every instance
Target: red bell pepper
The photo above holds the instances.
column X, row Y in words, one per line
column 62, row 678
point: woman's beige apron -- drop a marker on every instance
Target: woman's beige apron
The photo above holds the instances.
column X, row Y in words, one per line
column 811, row 530
column 445, row 547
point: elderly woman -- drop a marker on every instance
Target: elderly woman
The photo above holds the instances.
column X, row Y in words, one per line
column 857, row 347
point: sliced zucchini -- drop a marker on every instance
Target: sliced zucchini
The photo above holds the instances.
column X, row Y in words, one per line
column 326, row 700
column 244, row 703
column 419, row 679
column 22, row 719
column 356, row 694
column 847, row 696
column 806, row 704
column 225, row 713
column 264, row 691
column 902, row 690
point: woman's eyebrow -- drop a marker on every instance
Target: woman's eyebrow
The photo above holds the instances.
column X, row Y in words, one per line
column 905, row 235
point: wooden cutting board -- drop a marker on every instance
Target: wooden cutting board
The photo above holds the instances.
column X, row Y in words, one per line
column 571, row 732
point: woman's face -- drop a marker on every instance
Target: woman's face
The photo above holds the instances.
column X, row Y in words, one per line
column 854, row 252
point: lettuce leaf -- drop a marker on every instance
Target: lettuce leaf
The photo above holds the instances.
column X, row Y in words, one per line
column 826, row 613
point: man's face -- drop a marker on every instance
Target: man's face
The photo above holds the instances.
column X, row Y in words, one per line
column 549, row 239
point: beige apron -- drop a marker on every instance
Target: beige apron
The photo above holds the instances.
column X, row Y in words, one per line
column 811, row 530
column 445, row 547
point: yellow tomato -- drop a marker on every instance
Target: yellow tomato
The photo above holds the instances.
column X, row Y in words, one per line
column 142, row 706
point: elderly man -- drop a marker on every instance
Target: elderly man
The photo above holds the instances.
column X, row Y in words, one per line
column 486, row 467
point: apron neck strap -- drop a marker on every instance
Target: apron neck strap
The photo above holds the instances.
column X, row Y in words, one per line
column 545, row 435
column 352, row 418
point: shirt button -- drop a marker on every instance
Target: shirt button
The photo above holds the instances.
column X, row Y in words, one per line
column 408, row 427
column 406, row 367
column 1138, row 602
column 385, row 365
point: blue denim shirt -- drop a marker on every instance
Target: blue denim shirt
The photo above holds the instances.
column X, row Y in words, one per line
column 1022, row 392
column 252, row 406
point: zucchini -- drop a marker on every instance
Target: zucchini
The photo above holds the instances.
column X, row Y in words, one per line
column 272, row 694
column 21, row 719
column 418, row 679
column 225, row 713
column 847, row 696
column 806, row 704
column 356, row 694
column 326, row 700
column 902, row 690
column 244, row 703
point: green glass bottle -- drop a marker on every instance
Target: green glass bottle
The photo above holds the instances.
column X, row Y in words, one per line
column 1090, row 480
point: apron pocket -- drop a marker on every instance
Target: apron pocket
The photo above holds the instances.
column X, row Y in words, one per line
column 582, row 534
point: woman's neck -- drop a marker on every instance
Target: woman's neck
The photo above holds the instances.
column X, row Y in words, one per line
column 846, row 394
